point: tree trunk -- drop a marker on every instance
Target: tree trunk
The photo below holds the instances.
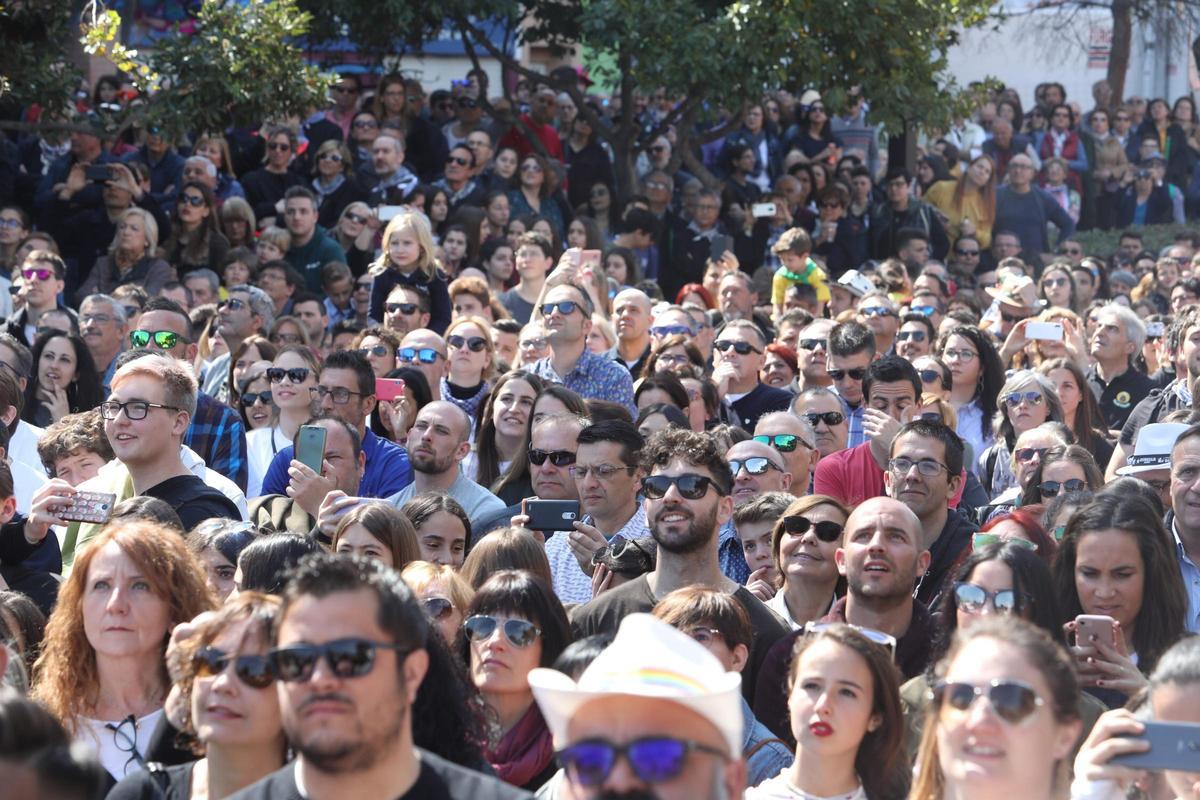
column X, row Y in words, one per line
column 1118, row 55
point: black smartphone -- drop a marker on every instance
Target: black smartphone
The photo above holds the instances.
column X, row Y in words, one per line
column 721, row 244
column 1174, row 746
column 550, row 515
column 310, row 446
column 97, row 173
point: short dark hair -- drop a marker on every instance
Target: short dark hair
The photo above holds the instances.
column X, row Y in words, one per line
column 353, row 360
column 639, row 219
column 309, row 297
column 1130, row 234
column 906, row 235
column 169, row 305
column 616, row 431
column 697, row 449
column 300, row 191
column 891, row 369
column 529, row 596
column 266, row 562
column 351, row 431
column 921, row 319
column 322, row 574
column 851, row 338
column 935, row 429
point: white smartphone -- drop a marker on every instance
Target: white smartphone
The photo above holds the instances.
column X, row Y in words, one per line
column 1048, row 331
column 762, row 210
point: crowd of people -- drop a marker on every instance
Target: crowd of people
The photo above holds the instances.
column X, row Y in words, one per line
column 400, row 451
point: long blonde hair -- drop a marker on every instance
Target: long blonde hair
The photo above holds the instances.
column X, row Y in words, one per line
column 418, row 223
column 67, row 680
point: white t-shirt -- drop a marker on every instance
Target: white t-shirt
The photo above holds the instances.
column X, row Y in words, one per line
column 113, row 746
column 780, row 788
column 261, row 447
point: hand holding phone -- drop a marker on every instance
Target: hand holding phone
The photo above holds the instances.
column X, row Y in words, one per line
column 1046, row 331
column 388, row 389
column 94, row 507
column 550, row 515
column 310, row 447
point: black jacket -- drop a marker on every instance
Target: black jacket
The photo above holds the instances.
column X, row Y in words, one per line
column 951, row 546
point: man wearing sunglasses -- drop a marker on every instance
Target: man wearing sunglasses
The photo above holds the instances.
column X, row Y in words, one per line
column 823, row 410
column 915, row 337
column 246, row 312
column 424, row 350
column 566, row 313
column 42, row 281
column 878, row 312
column 794, row 439
column 851, row 351
column 350, row 652
column 811, row 344
column 654, row 716
column 737, row 364
column 437, row 443
column 687, row 501
column 925, row 473
column 457, row 181
column 881, row 558
column 216, row 432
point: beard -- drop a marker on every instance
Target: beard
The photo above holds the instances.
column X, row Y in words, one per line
column 882, row 595
column 430, row 464
column 333, row 754
column 697, row 535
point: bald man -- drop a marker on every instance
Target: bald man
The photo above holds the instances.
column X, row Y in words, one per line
column 437, row 443
column 882, row 557
column 796, row 442
column 632, row 318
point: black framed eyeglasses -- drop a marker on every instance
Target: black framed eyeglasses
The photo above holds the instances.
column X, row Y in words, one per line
column 193, row 200
column 926, row 466
column 126, row 742
column 855, row 373
column 134, row 409
column 476, row 344
column 233, row 304
column 916, row 336
column 813, row 344
column 755, row 465
column 564, row 307
column 741, row 348
column 340, row 394
column 254, row 671
column 163, row 340
column 347, row 658
column 407, row 309
column 1027, row 454
column 690, row 486
column 559, row 458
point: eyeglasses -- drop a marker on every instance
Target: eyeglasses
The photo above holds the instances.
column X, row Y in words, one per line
column 476, row 344
column 193, row 200
column 704, row 636
column 134, row 409
column 916, row 336
column 438, row 608
column 279, row 146
column 602, row 471
column 250, row 398
column 467, row 102
column 11, row 223
column 1052, row 488
column 367, row 123
column 564, row 307
column 426, row 355
column 826, row 530
column 362, row 286
column 126, row 743
column 982, row 540
column 783, row 442
column 559, row 458
column 379, row 351
column 924, row 311
column 958, row 355
column 653, row 759
column 518, row 632
column 930, row 375
column 926, row 466
column 755, row 465
column 1013, row 701
column 1017, row 398
column 531, row 168
column 40, row 274
column 339, row 394
column 741, row 348
column 1054, row 283
column 814, row 344
column 877, row 311
column 281, row 337
column 1027, row 454
column 663, row 331
column 973, row 599
column 347, row 658
column 233, row 304
column 401, row 308
column 254, row 671
column 878, row 637
column 459, row 160
column 966, row 253
column 99, row 319
column 295, row 374
column 361, row 220
column 1004, row 315
column 163, row 340
column 533, row 344
column 334, row 157
column 856, row 374
column 691, row 487
column 830, row 418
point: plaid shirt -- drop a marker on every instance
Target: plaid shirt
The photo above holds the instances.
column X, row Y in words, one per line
column 593, row 377
column 217, row 435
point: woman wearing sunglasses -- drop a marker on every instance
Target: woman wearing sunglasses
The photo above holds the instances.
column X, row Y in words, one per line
column 1117, row 561
column 101, row 671
column 471, row 355
column 1027, row 399
column 254, row 398
column 334, row 184
column 803, row 545
column 1174, row 697
column 1003, row 716
column 844, row 713
column 292, row 377
column 976, row 376
column 196, row 240
column 253, row 350
column 379, row 531
column 355, row 231
column 514, row 623
column 226, row 690
column 1070, row 468
column 443, row 593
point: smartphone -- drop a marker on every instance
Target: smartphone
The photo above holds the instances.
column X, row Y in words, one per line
column 721, row 244
column 387, row 213
column 1155, row 329
column 389, row 388
column 89, row 507
column 589, row 258
column 310, row 446
column 1174, row 746
column 550, row 515
column 759, row 210
column 1050, row 331
column 1104, row 628
column 97, row 173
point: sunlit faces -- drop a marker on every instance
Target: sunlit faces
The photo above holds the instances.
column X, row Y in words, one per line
column 227, row 711
column 831, row 705
column 991, row 576
column 57, row 365
column 806, row 557
column 442, row 539
column 123, row 617
column 756, row 546
column 78, row 466
column 512, row 407
column 356, row 540
column 219, row 572
column 1110, row 575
